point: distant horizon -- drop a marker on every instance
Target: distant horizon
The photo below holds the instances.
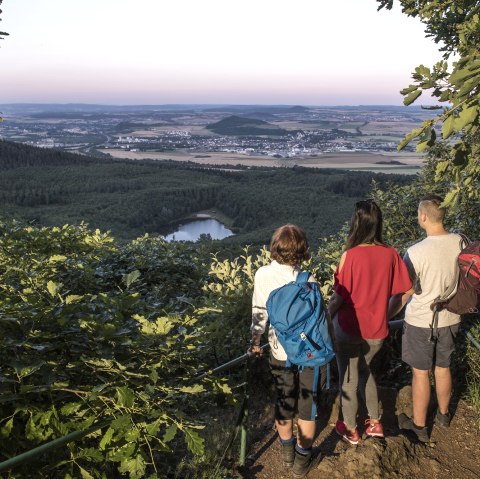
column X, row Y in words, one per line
column 303, row 105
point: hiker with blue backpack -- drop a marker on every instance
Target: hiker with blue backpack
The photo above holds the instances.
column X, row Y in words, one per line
column 300, row 342
column 369, row 273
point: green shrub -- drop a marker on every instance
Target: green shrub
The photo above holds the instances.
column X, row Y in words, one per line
column 93, row 332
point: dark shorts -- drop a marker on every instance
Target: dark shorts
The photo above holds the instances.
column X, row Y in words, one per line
column 297, row 391
column 419, row 352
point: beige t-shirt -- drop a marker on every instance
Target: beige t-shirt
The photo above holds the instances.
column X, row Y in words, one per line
column 432, row 266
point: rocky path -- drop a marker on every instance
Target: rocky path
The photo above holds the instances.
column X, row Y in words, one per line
column 453, row 452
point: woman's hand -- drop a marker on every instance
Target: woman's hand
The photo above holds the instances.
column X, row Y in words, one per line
column 255, row 347
column 256, row 350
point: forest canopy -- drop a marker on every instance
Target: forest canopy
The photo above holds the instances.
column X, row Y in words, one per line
column 130, row 198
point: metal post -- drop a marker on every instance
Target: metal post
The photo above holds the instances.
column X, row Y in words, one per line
column 327, row 385
column 472, row 339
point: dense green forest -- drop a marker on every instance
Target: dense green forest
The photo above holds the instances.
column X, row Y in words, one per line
column 131, row 198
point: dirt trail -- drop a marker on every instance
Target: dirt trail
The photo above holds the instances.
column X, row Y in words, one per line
column 452, row 453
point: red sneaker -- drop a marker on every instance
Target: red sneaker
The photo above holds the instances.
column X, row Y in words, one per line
column 350, row 437
column 374, row 429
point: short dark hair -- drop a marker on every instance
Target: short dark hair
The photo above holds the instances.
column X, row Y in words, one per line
column 366, row 225
column 430, row 205
column 289, row 245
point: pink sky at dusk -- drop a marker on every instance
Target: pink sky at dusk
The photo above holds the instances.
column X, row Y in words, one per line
column 208, row 51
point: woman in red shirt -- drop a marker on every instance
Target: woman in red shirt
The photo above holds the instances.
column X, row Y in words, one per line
column 369, row 273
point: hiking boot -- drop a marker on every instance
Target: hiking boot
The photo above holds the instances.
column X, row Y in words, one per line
column 304, row 463
column 405, row 423
column 374, row 429
column 288, row 454
column 443, row 420
column 346, row 435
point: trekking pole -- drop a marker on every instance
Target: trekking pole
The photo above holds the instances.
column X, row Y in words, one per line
column 230, row 364
column 244, row 423
column 240, row 425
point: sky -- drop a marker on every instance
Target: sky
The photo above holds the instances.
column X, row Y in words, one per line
column 295, row 52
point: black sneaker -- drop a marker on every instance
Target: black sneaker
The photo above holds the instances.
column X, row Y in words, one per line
column 288, row 454
column 405, row 423
column 443, row 420
column 304, row 464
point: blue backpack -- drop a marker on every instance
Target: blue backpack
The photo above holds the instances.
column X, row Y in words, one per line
column 297, row 314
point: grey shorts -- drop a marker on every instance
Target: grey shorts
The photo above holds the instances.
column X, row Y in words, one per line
column 297, row 391
column 419, row 352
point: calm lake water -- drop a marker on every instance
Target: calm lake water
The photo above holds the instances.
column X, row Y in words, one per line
column 191, row 231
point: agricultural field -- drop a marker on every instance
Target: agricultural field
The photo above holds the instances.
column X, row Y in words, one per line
column 365, row 161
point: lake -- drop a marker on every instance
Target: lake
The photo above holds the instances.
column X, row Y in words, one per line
column 192, row 230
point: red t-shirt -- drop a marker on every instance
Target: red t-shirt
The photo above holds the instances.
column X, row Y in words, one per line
column 369, row 277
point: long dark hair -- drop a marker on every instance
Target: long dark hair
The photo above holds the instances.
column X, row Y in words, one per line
column 366, row 225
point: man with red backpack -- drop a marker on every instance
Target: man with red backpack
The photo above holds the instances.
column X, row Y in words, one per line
column 428, row 338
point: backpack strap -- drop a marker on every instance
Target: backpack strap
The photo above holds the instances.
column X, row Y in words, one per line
column 465, row 240
column 439, row 303
column 303, row 277
column 452, row 288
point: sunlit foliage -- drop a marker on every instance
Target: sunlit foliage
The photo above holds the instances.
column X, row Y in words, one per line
column 453, row 81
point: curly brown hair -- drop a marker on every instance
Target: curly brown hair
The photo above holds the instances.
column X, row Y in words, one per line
column 289, row 245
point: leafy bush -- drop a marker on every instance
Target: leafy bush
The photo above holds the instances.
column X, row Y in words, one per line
column 93, row 333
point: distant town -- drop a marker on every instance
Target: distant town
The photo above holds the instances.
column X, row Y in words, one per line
column 277, row 132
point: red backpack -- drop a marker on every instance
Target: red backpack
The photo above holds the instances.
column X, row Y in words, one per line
column 463, row 295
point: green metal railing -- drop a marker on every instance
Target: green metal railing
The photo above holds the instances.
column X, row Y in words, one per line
column 50, row 446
